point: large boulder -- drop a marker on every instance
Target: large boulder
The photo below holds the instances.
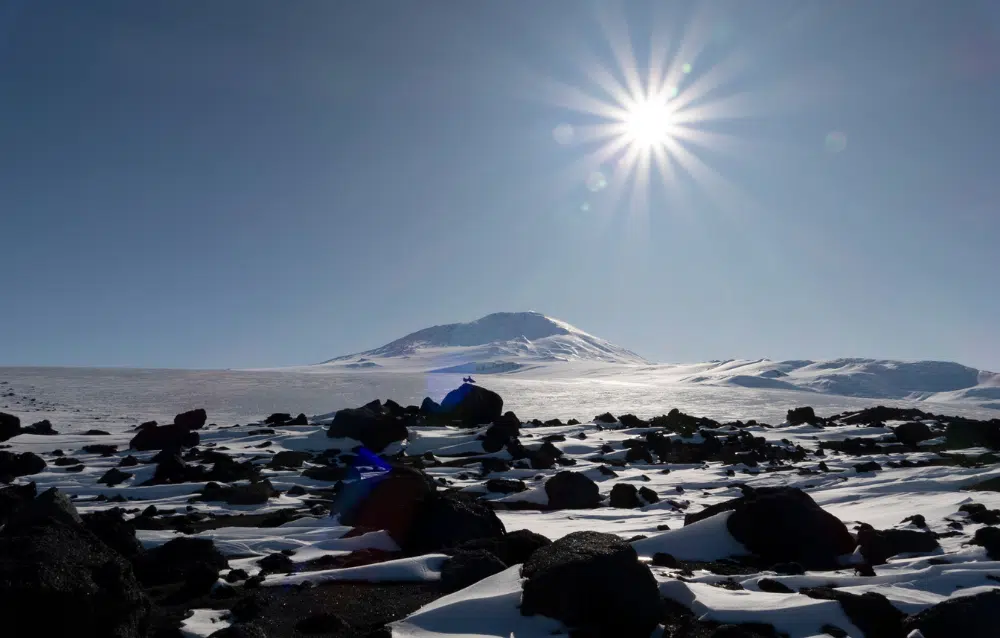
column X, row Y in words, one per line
column 166, row 437
column 13, row 465
column 58, row 579
column 877, row 546
column 966, row 433
column 41, row 428
column 800, row 416
column 448, row 520
column 10, row 426
column 784, row 525
column 572, row 490
column 472, row 405
column 177, row 559
column 114, row 531
column 191, row 420
column 592, row 582
column 389, row 501
column 374, row 428
column 253, row 493
column 467, row 568
column 50, row 506
column 912, row 433
column 14, row 497
column 870, row 612
column 972, row 616
column 625, row 496
column 512, row 548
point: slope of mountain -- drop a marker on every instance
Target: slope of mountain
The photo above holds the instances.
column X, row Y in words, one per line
column 500, row 342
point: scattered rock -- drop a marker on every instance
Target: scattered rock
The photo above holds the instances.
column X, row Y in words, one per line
column 114, row 531
column 191, row 420
column 592, row 582
column 784, row 524
column 167, row 437
column 912, row 433
column 113, row 477
column 877, row 546
column 505, row 486
column 572, row 490
column 799, row 416
column 513, row 548
column 472, row 405
column 467, row 568
column 774, row 586
column 172, row 561
column 42, row 428
column 625, row 496
column 974, row 616
column 13, row 465
column 988, row 537
column 255, row 493
column 375, row 429
column 10, row 426
column 322, row 623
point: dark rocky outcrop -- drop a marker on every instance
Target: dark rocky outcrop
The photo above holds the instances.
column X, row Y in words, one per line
column 374, row 427
column 191, row 420
column 800, row 416
column 625, row 496
column 912, row 433
column 513, row 548
column 13, row 465
column 877, row 546
column 468, row 567
column 114, row 531
column 10, row 426
column 472, row 405
column 592, row 582
column 58, row 579
column 166, row 437
column 783, row 525
column 173, row 561
column 972, row 616
column 989, row 538
column 505, row 486
column 870, row 612
column 254, row 493
column 572, row 490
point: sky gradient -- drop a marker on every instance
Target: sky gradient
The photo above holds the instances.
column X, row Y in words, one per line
column 256, row 183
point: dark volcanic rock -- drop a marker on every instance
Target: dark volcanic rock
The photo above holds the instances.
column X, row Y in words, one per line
column 172, row 469
column 572, row 490
column 167, row 437
column 59, row 580
column 505, row 486
column 376, row 429
column 868, row 466
column 512, row 548
column 467, row 568
column 10, row 426
column 192, row 420
column 278, row 418
column 448, row 520
column 798, row 416
column 388, row 502
column 113, row 477
column 965, row 433
column 114, row 531
column 870, row 612
column 13, row 465
column 912, row 433
column 877, row 546
column 625, row 496
column 172, row 561
column 472, row 405
column 648, row 495
column 255, row 493
column 42, row 428
column 592, row 582
column 289, row 459
column 988, row 537
column 50, row 505
column 784, row 524
column 972, row 616
column 14, row 497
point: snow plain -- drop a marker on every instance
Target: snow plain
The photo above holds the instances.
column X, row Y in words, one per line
column 115, row 400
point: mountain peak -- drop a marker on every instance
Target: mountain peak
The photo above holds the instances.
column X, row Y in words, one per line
column 501, row 336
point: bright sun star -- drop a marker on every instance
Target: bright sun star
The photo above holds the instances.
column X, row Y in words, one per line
column 649, row 123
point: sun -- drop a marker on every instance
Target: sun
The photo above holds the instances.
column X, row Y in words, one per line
column 648, row 123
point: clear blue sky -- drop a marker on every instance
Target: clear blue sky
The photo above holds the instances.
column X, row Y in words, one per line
column 251, row 183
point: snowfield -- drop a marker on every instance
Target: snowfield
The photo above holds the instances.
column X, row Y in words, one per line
column 705, row 492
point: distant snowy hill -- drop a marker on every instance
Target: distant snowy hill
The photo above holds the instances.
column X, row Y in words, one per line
column 531, row 345
column 916, row 380
column 500, row 342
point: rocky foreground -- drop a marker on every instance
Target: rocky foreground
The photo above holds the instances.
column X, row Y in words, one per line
column 460, row 519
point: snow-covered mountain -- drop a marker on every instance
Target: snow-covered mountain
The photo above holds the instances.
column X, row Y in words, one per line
column 917, row 380
column 500, row 342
